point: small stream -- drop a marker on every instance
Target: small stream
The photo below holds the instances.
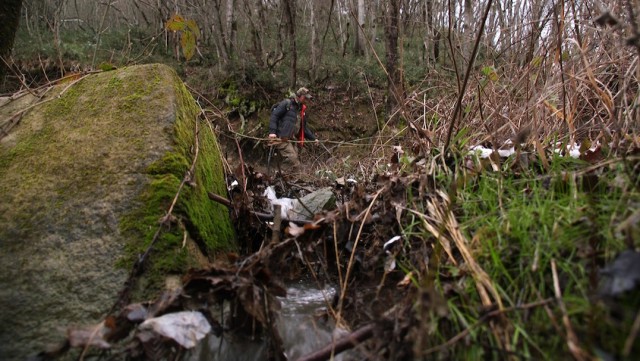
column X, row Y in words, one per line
column 300, row 325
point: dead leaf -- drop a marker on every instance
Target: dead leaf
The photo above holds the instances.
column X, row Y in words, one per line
column 592, row 156
column 406, row 280
column 294, row 230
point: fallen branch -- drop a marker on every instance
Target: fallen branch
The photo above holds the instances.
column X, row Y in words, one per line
column 347, row 342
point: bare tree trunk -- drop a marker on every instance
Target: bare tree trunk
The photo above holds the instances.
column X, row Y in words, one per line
column 395, row 87
column 318, row 59
column 231, row 27
column 467, row 30
column 219, row 33
column 54, row 25
column 99, row 34
column 9, row 20
column 518, row 31
column 427, row 41
column 290, row 11
column 359, row 45
column 315, row 48
column 343, row 28
column 373, row 26
column 576, row 23
column 255, row 16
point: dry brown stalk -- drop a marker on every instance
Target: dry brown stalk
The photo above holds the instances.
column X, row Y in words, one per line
column 628, row 345
column 572, row 339
column 343, row 287
column 441, row 222
column 462, row 89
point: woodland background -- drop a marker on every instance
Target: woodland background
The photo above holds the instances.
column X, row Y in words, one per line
column 559, row 65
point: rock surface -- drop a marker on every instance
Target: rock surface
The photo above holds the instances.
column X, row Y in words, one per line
column 314, row 202
column 84, row 176
column 304, row 208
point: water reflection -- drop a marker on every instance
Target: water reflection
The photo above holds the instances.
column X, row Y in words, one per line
column 301, row 323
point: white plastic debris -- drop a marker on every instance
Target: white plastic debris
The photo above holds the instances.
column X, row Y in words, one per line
column 390, row 242
column 481, row 151
column 573, row 150
column 505, row 153
column 186, row 328
column 270, row 193
column 286, row 204
column 486, row 152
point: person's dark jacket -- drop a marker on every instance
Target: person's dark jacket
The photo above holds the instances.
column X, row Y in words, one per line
column 283, row 121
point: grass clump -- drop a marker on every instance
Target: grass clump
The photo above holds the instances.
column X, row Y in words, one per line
column 517, row 225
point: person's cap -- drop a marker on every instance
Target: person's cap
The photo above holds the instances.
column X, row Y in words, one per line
column 304, row 92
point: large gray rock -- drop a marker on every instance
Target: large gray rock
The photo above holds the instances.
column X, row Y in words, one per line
column 84, row 177
column 314, row 202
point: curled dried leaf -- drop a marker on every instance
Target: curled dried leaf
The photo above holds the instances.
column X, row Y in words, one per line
column 294, row 230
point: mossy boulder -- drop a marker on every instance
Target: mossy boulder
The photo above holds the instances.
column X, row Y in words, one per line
column 85, row 177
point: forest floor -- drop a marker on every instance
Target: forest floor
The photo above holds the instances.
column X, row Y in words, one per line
column 521, row 250
column 479, row 252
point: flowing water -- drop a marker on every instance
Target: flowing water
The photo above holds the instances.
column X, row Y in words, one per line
column 302, row 328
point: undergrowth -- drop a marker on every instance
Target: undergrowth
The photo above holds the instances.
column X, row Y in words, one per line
column 516, row 225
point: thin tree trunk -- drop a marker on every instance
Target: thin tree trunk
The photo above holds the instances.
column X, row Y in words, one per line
column 536, row 30
column 231, row 27
column 315, row 48
column 326, row 32
column 576, row 23
column 255, row 15
column 391, row 30
column 428, row 31
column 505, row 38
column 289, row 8
column 373, row 26
column 55, row 28
column 467, row 33
column 359, row 45
column 9, row 20
column 343, row 29
column 219, row 33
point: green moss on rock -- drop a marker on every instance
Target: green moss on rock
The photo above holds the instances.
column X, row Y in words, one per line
column 207, row 222
column 85, row 178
